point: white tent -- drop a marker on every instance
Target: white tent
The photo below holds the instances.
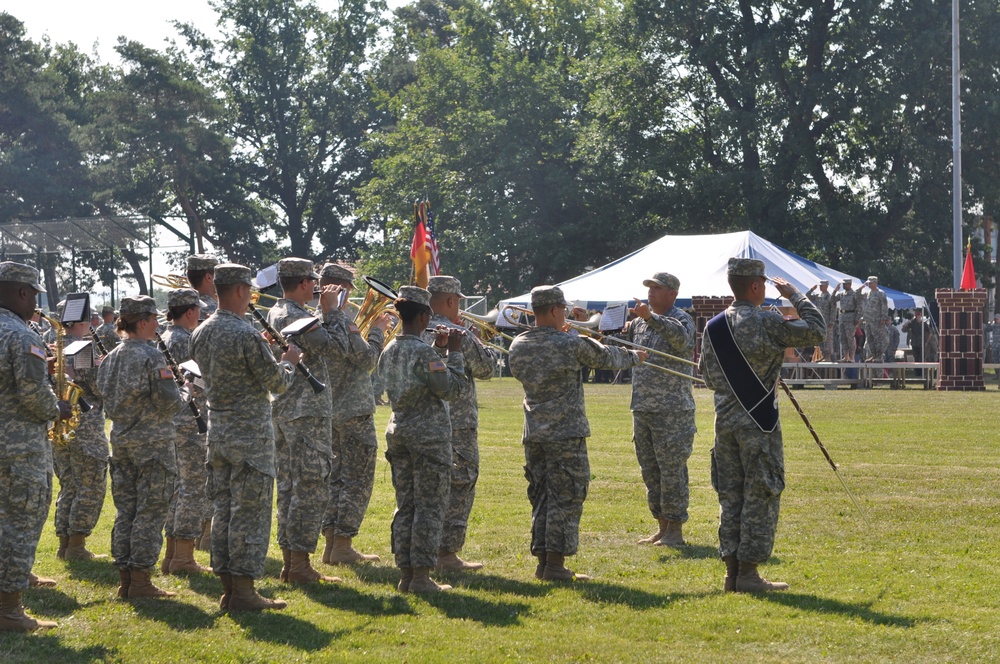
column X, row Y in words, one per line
column 700, row 261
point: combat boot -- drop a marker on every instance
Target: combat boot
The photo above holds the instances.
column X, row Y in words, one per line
column 732, row 571
column 168, row 555
column 205, row 539
column 448, row 561
column 76, row 549
column 63, row 543
column 301, row 571
column 555, row 569
column 423, row 583
column 140, row 586
column 286, row 562
column 14, row 619
column 124, row 581
column 227, row 591
column 750, row 581
column 330, row 542
column 540, row 567
column 245, row 597
column 405, row 577
column 183, row 560
column 343, row 553
column 655, row 537
column 40, row 581
column 672, row 535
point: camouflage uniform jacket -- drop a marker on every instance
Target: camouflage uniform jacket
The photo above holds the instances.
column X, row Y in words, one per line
column 418, row 383
column 300, row 400
column 875, row 307
column 349, row 366
column 654, row 390
column 239, row 373
column 547, row 363
column 849, row 301
column 826, row 304
column 108, row 336
column 178, row 342
column 480, row 362
column 762, row 336
column 141, row 398
column 27, row 402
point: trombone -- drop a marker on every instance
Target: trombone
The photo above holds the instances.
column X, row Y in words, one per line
column 487, row 328
column 171, row 281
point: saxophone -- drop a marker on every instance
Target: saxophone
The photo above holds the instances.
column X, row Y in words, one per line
column 62, row 432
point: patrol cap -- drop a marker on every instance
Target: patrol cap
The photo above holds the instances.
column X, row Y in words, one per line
column 107, row 309
column 848, row 281
column 415, row 294
column 547, row 296
column 664, row 279
column 136, row 306
column 296, row 267
column 182, row 297
column 445, row 284
column 824, row 282
column 339, row 272
column 745, row 267
column 20, row 273
column 202, row 262
column 232, row 273
column 873, row 278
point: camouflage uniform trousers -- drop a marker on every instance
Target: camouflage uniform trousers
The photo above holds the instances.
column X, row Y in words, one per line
column 189, row 505
column 421, row 476
column 304, row 462
column 663, row 444
column 826, row 346
column 876, row 341
column 82, row 469
column 25, row 495
column 241, row 522
column 355, row 448
column 464, row 475
column 848, row 344
column 558, row 474
column 748, row 473
column 141, row 491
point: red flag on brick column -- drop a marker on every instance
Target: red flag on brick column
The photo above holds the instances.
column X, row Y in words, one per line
column 969, row 273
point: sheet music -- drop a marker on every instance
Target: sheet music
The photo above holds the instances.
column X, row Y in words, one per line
column 76, row 307
column 614, row 317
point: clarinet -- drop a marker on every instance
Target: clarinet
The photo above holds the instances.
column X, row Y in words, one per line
column 179, row 379
column 97, row 340
column 314, row 382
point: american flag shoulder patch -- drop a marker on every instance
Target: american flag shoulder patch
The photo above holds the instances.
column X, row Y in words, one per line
column 38, row 352
column 436, row 365
column 166, row 374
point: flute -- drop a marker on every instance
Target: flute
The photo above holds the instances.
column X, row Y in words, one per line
column 280, row 340
column 179, row 379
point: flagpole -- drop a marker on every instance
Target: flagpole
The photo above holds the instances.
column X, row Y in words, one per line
column 956, row 131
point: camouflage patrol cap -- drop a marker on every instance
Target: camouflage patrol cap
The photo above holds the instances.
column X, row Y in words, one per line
column 848, row 281
column 232, row 273
column 873, row 278
column 664, row 279
column 135, row 306
column 445, row 284
column 182, row 297
column 415, row 294
column 107, row 309
column 338, row 272
column 20, row 273
column 202, row 262
column 297, row 267
column 824, row 282
column 547, row 296
column 745, row 267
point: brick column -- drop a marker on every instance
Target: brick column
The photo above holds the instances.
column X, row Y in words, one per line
column 961, row 353
column 705, row 308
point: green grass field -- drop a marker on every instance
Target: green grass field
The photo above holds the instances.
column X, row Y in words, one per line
column 917, row 586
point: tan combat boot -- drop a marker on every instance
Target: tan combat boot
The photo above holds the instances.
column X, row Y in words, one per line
column 76, row 549
column 168, row 555
column 328, row 549
column 227, row 591
column 183, row 560
column 448, row 561
column 40, row 581
column 405, row 577
column 63, row 543
column 555, row 569
column 141, row 586
column 343, row 553
column 750, row 581
column 14, row 619
column 286, row 563
column 205, row 539
column 672, row 535
column 423, row 583
column 124, row 581
column 301, row 571
column 245, row 597
column 540, row 567
column 655, row 537
column 732, row 571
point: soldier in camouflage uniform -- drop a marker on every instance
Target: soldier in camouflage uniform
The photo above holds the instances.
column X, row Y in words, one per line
column 27, row 404
column 463, row 410
column 201, row 276
column 874, row 317
column 302, row 426
column 240, row 373
column 849, row 303
column 189, row 506
column 663, row 425
column 826, row 302
column 547, row 362
column 418, row 383
column 141, row 399
column 106, row 331
column 355, row 445
column 82, row 467
column 748, row 468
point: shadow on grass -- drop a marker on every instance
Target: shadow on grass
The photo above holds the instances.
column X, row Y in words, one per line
column 47, row 646
column 486, row 612
column 832, row 606
column 207, row 585
column 376, row 574
column 692, row 552
column 99, row 572
column 51, row 602
column 610, row 593
column 340, row 596
column 493, row 583
column 284, row 629
column 174, row 613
